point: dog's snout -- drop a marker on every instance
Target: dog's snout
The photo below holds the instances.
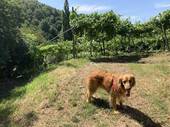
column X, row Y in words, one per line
column 127, row 93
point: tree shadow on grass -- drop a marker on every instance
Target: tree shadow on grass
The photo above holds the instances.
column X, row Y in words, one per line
column 7, row 98
column 7, row 86
column 134, row 58
column 4, row 116
column 8, row 95
column 25, row 120
column 132, row 112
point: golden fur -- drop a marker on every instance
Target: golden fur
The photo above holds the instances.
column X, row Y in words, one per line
column 117, row 85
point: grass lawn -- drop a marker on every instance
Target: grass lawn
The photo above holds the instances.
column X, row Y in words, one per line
column 56, row 97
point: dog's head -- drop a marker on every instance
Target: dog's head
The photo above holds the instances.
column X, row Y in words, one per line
column 127, row 81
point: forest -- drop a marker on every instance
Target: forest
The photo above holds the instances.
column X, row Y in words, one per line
column 33, row 36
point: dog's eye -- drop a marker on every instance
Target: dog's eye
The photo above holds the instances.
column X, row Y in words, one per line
column 122, row 86
column 124, row 82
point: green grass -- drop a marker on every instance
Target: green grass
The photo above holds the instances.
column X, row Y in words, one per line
column 88, row 110
column 34, row 92
column 9, row 106
column 76, row 63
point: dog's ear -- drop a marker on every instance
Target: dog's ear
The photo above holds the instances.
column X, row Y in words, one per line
column 120, row 80
column 133, row 81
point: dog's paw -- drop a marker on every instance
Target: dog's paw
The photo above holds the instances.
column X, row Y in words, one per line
column 115, row 112
column 88, row 101
column 120, row 107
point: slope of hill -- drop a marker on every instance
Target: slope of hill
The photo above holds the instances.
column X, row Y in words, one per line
column 56, row 97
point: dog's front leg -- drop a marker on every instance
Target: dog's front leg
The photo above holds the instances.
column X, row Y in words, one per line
column 120, row 102
column 112, row 101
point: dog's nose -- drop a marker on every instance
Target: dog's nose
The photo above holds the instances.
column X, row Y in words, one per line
column 128, row 92
column 128, row 95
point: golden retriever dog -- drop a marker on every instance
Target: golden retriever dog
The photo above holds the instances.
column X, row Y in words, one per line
column 117, row 85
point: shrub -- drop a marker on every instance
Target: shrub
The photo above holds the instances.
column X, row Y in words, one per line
column 25, row 60
column 55, row 53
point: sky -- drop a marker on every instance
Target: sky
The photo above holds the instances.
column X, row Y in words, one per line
column 136, row 10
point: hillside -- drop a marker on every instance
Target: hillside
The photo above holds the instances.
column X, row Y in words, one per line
column 40, row 16
column 56, row 97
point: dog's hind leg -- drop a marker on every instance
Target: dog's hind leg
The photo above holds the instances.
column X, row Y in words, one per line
column 90, row 92
column 89, row 95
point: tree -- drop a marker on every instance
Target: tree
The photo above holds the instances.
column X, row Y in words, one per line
column 165, row 24
column 15, row 56
column 9, row 33
column 66, row 22
column 95, row 27
column 162, row 24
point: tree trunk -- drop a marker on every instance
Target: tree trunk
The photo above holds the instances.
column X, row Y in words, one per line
column 121, row 41
column 164, row 46
column 101, row 49
column 165, row 39
column 91, row 49
column 129, row 43
column 134, row 46
column 104, row 50
column 74, row 47
column 115, row 49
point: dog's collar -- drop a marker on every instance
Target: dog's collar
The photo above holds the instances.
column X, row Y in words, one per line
column 114, row 87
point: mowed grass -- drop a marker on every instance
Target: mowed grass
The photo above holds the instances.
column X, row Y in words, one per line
column 154, row 82
column 57, row 97
column 19, row 108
